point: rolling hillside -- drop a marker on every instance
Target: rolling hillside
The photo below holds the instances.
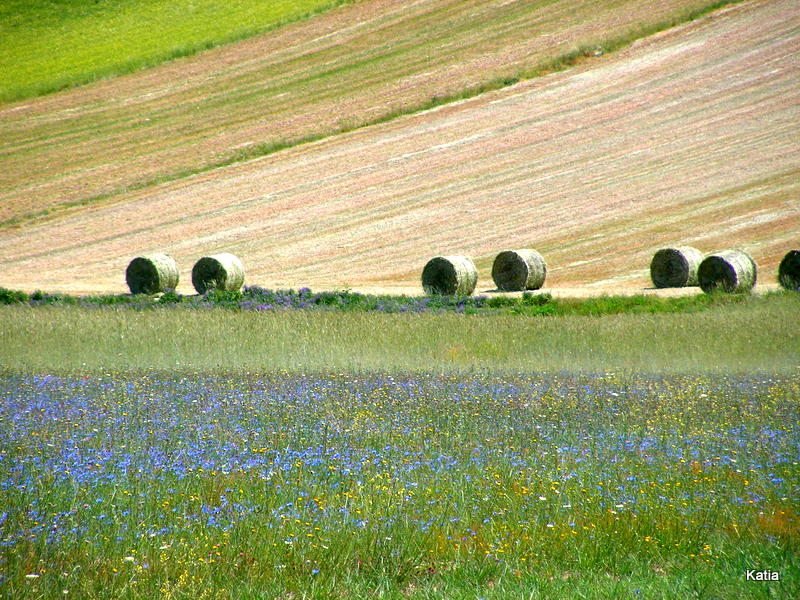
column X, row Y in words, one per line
column 691, row 136
column 350, row 66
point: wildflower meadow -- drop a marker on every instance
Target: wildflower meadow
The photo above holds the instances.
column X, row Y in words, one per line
column 347, row 485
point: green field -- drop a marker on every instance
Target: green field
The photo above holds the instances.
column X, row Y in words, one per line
column 173, row 451
column 46, row 46
column 762, row 336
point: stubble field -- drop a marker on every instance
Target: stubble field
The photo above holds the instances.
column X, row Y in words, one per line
column 688, row 137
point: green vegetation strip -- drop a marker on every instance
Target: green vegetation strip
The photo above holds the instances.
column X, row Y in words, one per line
column 754, row 335
column 254, row 298
column 48, row 46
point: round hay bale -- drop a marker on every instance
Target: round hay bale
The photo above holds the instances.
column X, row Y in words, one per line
column 727, row 271
column 789, row 271
column 675, row 267
column 152, row 274
column 218, row 272
column 449, row 275
column 515, row 270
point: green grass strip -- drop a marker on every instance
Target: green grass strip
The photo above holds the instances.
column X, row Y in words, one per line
column 49, row 46
column 528, row 304
column 758, row 335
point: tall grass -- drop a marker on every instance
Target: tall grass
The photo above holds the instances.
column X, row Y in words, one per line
column 762, row 336
column 47, row 46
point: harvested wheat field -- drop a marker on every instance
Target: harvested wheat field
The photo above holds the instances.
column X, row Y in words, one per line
column 347, row 67
column 689, row 137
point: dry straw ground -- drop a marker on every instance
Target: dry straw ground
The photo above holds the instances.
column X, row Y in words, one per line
column 690, row 137
column 345, row 67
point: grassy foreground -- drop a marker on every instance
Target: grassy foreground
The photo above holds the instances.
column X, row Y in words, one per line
column 47, row 46
column 749, row 337
column 398, row 486
column 325, row 454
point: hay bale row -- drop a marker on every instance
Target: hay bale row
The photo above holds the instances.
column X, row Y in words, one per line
column 789, row 271
column 512, row 270
column 156, row 273
column 727, row 271
column 675, row 267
